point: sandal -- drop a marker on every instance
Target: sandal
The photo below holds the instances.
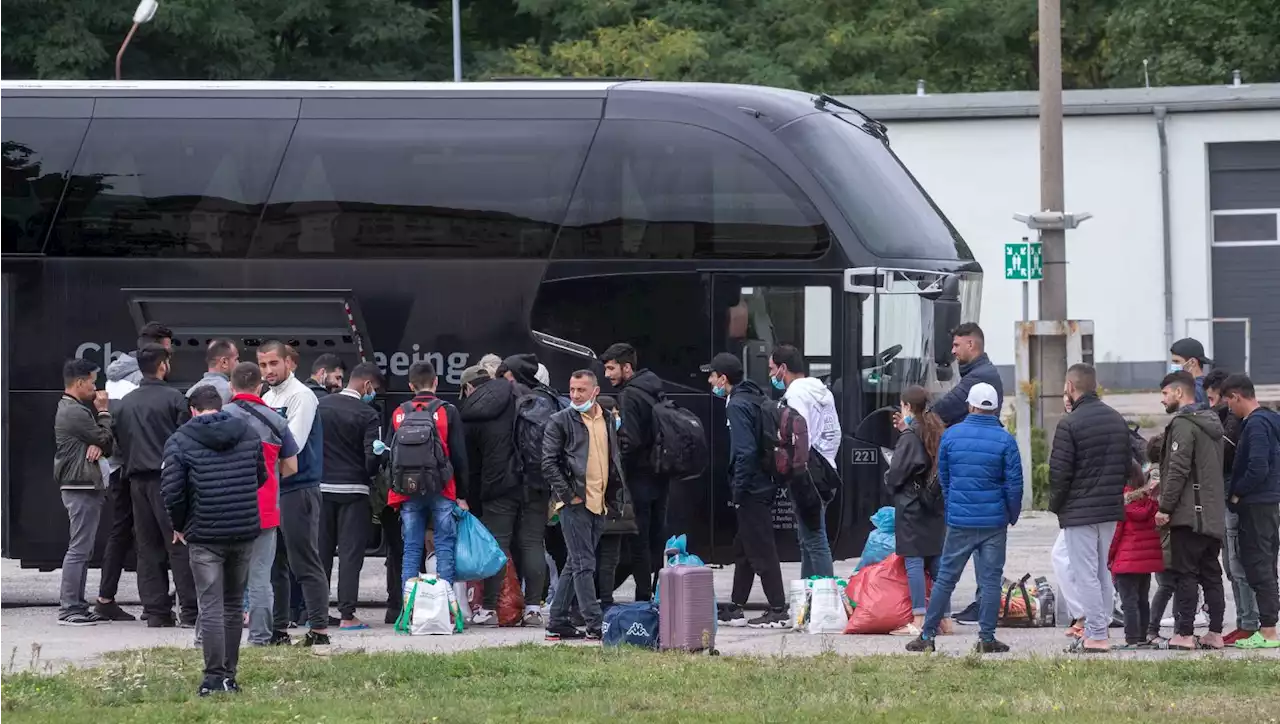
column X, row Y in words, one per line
column 1256, row 641
column 1197, row 646
column 909, row 630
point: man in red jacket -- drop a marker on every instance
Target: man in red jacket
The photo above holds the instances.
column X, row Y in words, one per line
column 441, row 506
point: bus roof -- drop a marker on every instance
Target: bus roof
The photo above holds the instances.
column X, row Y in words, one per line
column 591, row 87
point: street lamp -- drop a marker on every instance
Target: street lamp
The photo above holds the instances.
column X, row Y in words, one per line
column 146, row 10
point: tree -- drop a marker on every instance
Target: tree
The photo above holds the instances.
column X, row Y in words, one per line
column 642, row 49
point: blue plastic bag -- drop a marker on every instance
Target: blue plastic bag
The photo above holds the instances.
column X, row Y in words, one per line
column 633, row 624
column 882, row 541
column 477, row 555
column 677, row 553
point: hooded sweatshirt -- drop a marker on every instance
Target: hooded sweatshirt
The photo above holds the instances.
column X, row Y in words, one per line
column 1255, row 479
column 488, row 416
column 817, row 406
column 1192, row 491
column 523, row 367
column 123, row 375
column 213, row 467
column 635, row 437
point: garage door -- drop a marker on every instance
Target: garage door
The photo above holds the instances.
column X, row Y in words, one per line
column 1244, row 196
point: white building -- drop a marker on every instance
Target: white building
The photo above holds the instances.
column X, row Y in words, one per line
column 977, row 154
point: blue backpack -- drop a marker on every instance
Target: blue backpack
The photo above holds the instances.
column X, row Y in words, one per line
column 632, row 624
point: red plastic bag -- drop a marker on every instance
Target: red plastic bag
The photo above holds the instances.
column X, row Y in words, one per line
column 510, row 599
column 880, row 596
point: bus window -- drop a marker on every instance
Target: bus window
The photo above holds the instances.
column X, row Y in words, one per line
column 759, row 318
column 38, row 154
column 360, row 188
column 169, row 187
column 661, row 190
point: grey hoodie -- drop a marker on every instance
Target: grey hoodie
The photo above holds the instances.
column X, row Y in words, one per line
column 123, row 375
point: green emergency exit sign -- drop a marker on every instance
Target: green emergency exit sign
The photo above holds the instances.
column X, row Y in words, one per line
column 1023, row 261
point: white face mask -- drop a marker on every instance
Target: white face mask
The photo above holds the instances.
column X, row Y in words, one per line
column 1175, row 367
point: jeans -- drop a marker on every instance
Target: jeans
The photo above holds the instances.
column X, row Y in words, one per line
column 755, row 552
column 815, row 549
column 220, row 571
column 345, row 521
column 413, row 524
column 987, row 548
column 916, row 568
column 518, row 522
column 298, row 550
column 261, row 597
column 154, row 536
column 608, row 554
column 1135, row 590
column 1259, row 549
column 84, row 510
column 581, row 529
column 650, row 495
column 1195, row 563
column 120, row 517
column 1246, row 600
column 1165, row 584
column 1088, row 547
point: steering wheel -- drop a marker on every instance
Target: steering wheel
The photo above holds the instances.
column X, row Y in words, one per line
column 887, row 355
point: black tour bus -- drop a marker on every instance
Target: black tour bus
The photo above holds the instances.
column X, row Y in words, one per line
column 407, row 221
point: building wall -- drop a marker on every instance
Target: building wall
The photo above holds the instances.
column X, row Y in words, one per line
column 982, row 171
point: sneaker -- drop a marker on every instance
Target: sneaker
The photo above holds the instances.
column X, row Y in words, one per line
column 484, row 617
column 992, row 647
column 187, row 622
column 594, row 634
column 921, row 645
column 969, row 616
column 206, row 689
column 88, row 618
column 315, row 639
column 532, row 618
column 111, row 611
column 1201, row 620
column 280, row 638
column 773, row 618
column 732, row 616
column 564, row 633
column 231, row 686
column 1237, row 635
column 161, row 621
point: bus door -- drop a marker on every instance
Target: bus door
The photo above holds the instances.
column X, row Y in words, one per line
column 751, row 313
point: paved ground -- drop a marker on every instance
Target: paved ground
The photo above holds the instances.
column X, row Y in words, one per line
column 30, row 634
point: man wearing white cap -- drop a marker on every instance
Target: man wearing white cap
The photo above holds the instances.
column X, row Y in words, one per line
column 981, row 475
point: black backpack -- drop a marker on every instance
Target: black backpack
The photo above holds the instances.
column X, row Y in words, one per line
column 679, row 440
column 783, row 440
column 533, row 411
column 419, row 465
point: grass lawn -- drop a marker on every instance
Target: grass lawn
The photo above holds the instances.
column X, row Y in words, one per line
column 569, row 684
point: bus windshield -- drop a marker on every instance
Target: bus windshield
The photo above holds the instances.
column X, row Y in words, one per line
column 891, row 214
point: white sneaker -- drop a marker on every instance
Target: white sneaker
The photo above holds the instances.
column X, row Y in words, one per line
column 533, row 618
column 1201, row 620
column 484, row 617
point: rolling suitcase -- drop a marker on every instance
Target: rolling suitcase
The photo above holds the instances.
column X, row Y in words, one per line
column 687, row 614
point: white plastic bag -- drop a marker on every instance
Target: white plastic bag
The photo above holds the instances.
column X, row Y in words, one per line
column 799, row 603
column 433, row 606
column 826, row 610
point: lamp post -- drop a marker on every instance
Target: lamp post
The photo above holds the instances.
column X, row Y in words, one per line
column 457, row 41
column 146, row 10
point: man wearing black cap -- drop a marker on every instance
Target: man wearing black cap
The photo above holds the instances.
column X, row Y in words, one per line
column 1187, row 354
column 753, row 491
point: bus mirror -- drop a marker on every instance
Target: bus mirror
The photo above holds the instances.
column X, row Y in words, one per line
column 946, row 317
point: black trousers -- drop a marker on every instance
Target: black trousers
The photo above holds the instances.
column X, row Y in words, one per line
column 608, row 554
column 518, row 522
column 118, row 515
column 1259, row 550
column 393, row 540
column 1195, row 560
column 345, row 522
column 1135, row 599
column 650, row 495
column 756, row 553
column 298, row 550
column 1165, row 584
column 154, row 536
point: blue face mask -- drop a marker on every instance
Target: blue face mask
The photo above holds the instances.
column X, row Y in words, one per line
column 367, row 397
column 583, row 407
column 778, row 384
column 907, row 419
column 617, row 422
column 717, row 391
column 1175, row 367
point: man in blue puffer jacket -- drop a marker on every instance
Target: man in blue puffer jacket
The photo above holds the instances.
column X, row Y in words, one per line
column 981, row 475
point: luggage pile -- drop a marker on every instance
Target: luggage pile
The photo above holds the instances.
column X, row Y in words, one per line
column 684, row 618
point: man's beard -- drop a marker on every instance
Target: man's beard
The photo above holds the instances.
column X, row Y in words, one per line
column 1172, row 407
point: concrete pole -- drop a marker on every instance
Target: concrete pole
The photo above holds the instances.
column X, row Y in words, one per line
column 1053, row 288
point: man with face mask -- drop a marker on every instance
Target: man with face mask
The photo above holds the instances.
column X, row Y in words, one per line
column 1244, row 597
column 581, row 463
column 82, row 439
column 353, row 452
column 968, row 346
column 1193, row 506
column 1187, row 355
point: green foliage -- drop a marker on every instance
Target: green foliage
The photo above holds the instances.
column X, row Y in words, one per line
column 837, row 46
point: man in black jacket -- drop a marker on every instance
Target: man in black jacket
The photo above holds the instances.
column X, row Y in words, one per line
column 1254, row 494
column 326, row 375
column 581, row 463
column 968, row 346
column 352, row 454
column 517, row 521
column 144, row 420
column 213, row 467
column 1244, row 596
column 639, row 391
column 753, row 491
column 1091, row 461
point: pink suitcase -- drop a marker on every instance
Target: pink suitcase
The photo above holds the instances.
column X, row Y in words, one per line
column 687, row 612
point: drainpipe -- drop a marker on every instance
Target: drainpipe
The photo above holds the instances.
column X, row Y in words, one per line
column 1165, row 229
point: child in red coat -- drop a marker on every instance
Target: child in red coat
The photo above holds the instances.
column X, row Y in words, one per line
column 1136, row 553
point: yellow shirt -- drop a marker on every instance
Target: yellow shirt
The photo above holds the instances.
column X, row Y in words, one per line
column 597, row 458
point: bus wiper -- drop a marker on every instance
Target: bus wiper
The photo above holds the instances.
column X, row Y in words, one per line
column 869, row 124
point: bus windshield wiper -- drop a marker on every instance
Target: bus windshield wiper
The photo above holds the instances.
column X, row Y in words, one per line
column 869, row 124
